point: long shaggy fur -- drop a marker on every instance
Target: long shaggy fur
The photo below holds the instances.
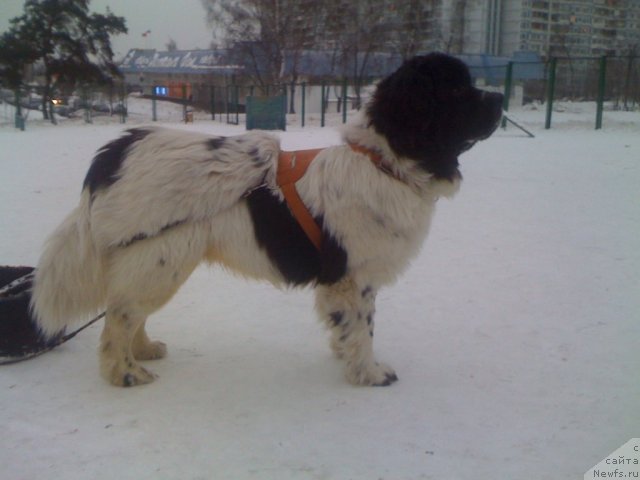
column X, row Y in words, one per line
column 157, row 202
column 69, row 279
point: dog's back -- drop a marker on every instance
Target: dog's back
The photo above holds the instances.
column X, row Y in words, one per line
column 149, row 184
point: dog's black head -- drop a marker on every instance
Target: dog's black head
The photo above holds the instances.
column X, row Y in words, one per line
column 429, row 111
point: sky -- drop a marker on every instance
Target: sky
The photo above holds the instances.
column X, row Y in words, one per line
column 183, row 21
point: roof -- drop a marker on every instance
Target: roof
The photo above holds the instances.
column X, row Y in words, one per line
column 317, row 63
column 178, row 61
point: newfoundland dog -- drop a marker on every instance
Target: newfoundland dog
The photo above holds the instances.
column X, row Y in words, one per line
column 156, row 202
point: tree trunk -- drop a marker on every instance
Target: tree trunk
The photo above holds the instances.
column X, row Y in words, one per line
column 45, row 107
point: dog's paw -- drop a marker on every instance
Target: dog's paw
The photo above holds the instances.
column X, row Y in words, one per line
column 136, row 376
column 372, row 374
column 151, row 351
column 130, row 376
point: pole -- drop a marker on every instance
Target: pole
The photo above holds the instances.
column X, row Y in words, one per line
column 508, row 80
column 302, row 106
column 184, row 103
column 551, row 91
column 212, row 98
column 226, row 102
column 154, row 109
column 19, row 119
column 322, row 103
column 602, row 80
column 123, row 103
column 236, row 99
column 344, row 101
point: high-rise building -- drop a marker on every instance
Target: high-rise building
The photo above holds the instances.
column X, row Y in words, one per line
column 548, row 27
column 494, row 27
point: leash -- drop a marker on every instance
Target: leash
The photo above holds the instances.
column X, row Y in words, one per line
column 21, row 339
column 7, row 289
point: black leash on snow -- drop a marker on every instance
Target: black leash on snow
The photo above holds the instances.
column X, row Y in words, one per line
column 19, row 336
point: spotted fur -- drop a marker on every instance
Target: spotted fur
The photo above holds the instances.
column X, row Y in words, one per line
column 157, row 202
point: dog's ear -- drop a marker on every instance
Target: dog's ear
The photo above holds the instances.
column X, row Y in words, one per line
column 402, row 107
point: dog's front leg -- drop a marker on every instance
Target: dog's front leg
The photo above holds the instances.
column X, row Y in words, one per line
column 348, row 310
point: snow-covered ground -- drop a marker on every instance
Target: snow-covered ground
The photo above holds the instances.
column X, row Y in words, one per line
column 515, row 334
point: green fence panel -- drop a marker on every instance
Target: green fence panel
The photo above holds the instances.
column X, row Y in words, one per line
column 266, row 113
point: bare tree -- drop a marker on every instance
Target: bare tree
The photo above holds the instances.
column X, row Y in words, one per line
column 171, row 45
column 270, row 36
column 623, row 76
column 632, row 77
column 416, row 27
column 356, row 30
column 455, row 43
column 263, row 34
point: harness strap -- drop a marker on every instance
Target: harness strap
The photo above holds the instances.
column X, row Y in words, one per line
column 375, row 157
column 291, row 168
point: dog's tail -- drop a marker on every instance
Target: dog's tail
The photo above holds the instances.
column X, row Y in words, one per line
column 69, row 282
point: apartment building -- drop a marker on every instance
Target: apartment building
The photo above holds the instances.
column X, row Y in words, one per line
column 494, row 27
column 548, row 27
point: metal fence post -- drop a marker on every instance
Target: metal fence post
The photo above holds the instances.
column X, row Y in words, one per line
column 236, row 101
column 302, row 103
column 508, row 80
column 154, row 110
column 226, row 101
column 212, row 98
column 285, row 96
column 124, row 107
column 601, row 86
column 184, row 102
column 550, row 91
column 322, row 103
column 344, row 101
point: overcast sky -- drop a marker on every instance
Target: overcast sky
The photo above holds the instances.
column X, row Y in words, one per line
column 182, row 20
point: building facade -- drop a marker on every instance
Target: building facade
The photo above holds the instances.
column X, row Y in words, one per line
column 492, row 27
column 548, row 27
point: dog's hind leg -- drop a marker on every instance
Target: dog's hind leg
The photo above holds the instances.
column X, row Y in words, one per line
column 142, row 277
column 348, row 310
column 145, row 349
column 117, row 359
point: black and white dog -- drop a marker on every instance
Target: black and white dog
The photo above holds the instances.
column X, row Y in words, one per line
column 157, row 202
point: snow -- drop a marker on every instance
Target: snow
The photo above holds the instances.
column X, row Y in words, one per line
column 515, row 332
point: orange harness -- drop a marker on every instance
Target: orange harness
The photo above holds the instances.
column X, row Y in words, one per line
column 291, row 168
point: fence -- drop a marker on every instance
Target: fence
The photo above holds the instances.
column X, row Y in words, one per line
column 611, row 79
column 229, row 102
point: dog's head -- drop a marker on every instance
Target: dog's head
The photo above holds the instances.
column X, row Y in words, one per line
column 429, row 111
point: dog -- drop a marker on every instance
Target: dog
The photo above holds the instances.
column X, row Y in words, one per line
column 156, row 203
